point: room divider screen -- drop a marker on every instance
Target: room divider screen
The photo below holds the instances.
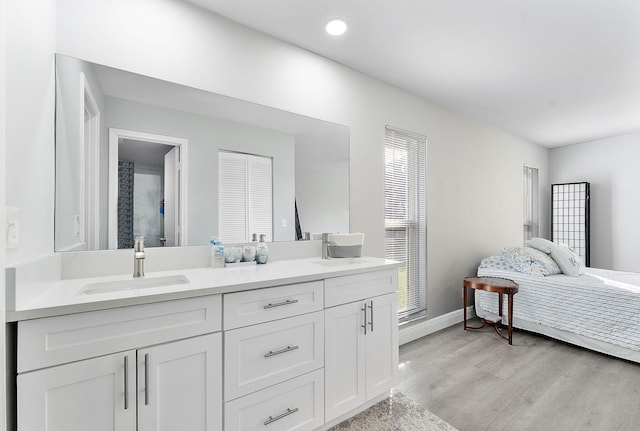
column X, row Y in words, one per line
column 570, row 217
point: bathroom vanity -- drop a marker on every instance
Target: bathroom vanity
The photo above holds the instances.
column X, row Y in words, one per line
column 296, row 344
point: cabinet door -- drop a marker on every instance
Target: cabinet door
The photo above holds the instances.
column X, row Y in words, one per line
column 344, row 359
column 85, row 395
column 180, row 385
column 382, row 344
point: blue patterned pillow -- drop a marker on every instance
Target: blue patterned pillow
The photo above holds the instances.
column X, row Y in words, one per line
column 495, row 262
column 531, row 261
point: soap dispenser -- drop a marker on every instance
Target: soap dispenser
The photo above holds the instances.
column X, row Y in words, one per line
column 262, row 252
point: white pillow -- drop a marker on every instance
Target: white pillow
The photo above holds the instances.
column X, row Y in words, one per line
column 544, row 245
column 568, row 260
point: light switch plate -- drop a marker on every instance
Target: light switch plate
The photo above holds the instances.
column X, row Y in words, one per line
column 76, row 225
column 13, row 228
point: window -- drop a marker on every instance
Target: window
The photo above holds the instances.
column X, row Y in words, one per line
column 531, row 203
column 405, row 218
column 245, row 193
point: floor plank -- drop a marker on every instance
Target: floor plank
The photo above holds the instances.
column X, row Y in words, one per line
column 476, row 381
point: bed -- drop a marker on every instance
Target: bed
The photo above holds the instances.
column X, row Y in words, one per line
column 597, row 309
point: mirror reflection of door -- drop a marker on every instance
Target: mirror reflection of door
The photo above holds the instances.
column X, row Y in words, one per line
column 148, row 191
column 171, row 198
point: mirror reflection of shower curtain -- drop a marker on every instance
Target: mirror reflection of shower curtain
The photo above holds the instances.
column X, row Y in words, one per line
column 140, row 192
column 570, row 210
column 125, row 204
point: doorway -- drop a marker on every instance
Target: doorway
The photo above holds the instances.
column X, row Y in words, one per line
column 146, row 189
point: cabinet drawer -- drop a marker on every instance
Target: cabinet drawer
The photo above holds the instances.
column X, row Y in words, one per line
column 263, row 305
column 262, row 355
column 295, row 404
column 341, row 290
column 56, row 340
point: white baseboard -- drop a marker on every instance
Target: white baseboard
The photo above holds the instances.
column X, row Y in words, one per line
column 413, row 331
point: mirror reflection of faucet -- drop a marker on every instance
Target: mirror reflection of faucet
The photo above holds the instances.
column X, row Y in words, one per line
column 138, row 257
column 325, row 246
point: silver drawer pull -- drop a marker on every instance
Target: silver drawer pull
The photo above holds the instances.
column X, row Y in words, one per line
column 277, row 352
column 126, row 382
column 364, row 322
column 146, row 379
column 280, row 416
column 280, row 304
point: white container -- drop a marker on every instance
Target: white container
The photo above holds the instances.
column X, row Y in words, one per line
column 217, row 253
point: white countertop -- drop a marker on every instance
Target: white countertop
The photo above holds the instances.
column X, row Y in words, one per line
column 67, row 296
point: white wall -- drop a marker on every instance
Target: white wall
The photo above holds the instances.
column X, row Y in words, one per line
column 30, row 33
column 474, row 173
column 611, row 166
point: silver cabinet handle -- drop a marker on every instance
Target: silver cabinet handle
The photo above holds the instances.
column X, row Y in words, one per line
column 277, row 352
column 126, row 382
column 371, row 318
column 146, row 379
column 364, row 324
column 280, row 416
column 280, row 304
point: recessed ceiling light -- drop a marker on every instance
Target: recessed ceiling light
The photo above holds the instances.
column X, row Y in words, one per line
column 336, row 27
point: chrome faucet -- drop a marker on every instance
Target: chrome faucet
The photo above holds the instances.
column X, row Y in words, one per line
column 138, row 257
column 325, row 246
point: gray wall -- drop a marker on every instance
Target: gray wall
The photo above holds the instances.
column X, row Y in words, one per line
column 70, row 143
column 206, row 137
column 611, row 166
column 474, row 191
column 3, row 56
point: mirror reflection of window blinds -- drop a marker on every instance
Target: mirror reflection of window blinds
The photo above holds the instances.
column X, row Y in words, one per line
column 245, row 196
column 531, row 203
column 570, row 217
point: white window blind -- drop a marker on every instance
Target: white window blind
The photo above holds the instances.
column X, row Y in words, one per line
column 245, row 196
column 531, row 203
column 405, row 217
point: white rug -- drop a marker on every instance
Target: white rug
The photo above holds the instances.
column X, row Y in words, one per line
column 396, row 413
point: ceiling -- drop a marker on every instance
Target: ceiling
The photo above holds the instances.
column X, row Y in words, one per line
column 554, row 72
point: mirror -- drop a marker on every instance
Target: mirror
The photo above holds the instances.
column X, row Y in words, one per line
column 105, row 115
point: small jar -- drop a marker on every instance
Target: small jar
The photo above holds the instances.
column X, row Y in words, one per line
column 249, row 253
column 262, row 252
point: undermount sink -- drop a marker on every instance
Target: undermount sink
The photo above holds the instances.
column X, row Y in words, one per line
column 339, row 261
column 133, row 283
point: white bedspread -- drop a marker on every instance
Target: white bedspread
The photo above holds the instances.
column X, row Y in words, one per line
column 600, row 305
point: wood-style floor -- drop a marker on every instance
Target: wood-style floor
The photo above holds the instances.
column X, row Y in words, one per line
column 475, row 381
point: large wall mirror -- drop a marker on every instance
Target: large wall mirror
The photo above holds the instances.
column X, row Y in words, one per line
column 141, row 156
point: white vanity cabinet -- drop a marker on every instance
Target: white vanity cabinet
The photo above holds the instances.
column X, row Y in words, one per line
column 361, row 340
column 70, row 378
column 298, row 350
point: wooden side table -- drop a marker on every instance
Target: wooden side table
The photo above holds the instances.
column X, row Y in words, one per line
column 501, row 286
